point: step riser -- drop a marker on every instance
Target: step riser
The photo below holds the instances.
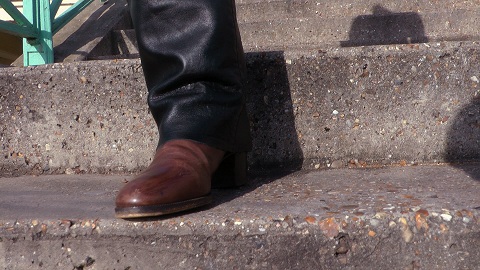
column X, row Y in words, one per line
column 312, row 250
column 382, row 114
column 375, row 105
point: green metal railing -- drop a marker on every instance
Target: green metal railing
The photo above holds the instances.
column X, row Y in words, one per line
column 37, row 25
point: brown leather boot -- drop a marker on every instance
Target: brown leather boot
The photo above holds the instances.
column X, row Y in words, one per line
column 178, row 179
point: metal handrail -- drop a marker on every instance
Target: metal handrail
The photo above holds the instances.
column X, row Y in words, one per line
column 22, row 28
column 37, row 25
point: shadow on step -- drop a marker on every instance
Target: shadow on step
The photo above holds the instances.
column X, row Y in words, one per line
column 272, row 122
column 463, row 140
column 384, row 27
column 276, row 149
column 98, row 27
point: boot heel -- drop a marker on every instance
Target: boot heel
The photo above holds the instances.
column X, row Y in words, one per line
column 232, row 172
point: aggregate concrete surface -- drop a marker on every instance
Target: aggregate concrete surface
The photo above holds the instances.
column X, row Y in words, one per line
column 406, row 217
column 285, row 23
column 315, row 100
column 368, row 106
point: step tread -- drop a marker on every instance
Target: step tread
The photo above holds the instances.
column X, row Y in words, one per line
column 395, row 191
column 64, row 117
column 363, row 219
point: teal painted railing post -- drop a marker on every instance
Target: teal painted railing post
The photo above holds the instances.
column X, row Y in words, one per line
column 37, row 25
column 38, row 51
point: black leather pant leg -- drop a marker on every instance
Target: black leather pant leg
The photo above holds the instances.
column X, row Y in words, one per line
column 194, row 66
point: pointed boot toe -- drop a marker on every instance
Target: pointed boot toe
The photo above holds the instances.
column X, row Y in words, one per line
column 178, row 179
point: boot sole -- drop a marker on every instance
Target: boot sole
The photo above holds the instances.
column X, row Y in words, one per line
column 162, row 209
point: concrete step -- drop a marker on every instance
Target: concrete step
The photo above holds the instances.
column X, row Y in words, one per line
column 413, row 217
column 363, row 30
column 256, row 11
column 363, row 107
column 277, row 25
column 349, row 7
column 315, row 100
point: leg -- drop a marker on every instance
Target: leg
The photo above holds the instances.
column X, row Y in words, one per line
column 194, row 66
